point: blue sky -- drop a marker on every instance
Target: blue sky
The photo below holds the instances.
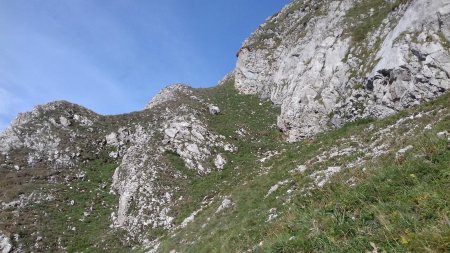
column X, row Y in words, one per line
column 112, row 56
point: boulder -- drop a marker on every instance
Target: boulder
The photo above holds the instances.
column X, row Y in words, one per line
column 214, row 110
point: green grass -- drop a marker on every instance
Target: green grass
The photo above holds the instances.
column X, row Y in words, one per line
column 397, row 205
column 237, row 111
column 242, row 111
column 444, row 41
column 91, row 194
column 399, row 208
column 362, row 23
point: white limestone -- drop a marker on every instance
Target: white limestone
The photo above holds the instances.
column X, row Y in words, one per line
column 308, row 72
column 220, row 162
column 5, row 244
column 226, row 203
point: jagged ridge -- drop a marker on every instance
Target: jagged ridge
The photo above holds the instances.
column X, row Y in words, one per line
column 208, row 170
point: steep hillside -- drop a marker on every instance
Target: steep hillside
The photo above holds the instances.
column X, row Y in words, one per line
column 369, row 186
column 331, row 135
column 331, row 62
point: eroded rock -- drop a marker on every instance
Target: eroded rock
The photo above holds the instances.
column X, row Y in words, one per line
column 213, row 110
column 190, row 138
column 220, row 162
column 226, row 203
column 403, row 151
column 315, row 73
column 168, row 94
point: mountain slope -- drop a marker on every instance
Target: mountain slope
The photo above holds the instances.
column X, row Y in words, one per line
column 370, row 182
column 331, row 62
column 307, row 146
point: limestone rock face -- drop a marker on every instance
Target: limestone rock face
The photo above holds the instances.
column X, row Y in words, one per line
column 135, row 182
column 192, row 141
column 307, row 60
column 145, row 201
column 168, row 94
column 47, row 132
column 324, row 62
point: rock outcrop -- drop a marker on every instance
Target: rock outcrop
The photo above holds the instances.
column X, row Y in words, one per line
column 330, row 62
column 136, row 180
column 168, row 94
column 47, row 133
column 325, row 63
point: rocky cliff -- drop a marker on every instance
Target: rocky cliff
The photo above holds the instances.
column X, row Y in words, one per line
column 210, row 170
column 330, row 62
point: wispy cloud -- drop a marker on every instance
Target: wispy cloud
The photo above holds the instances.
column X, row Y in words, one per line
column 47, row 61
column 113, row 56
column 108, row 56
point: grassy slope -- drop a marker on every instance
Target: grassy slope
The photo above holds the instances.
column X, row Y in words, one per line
column 397, row 204
column 78, row 217
column 237, row 112
column 90, row 196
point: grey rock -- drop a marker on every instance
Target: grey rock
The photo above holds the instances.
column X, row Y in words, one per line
column 230, row 148
column 190, row 218
column 275, row 187
column 272, row 215
column 306, row 68
column 241, row 132
column 190, row 138
column 135, row 182
column 43, row 138
column 403, row 151
column 64, row 121
column 320, row 178
column 220, row 162
column 213, row 110
column 168, row 94
column 111, row 139
column 299, row 169
column 5, row 244
column 226, row 203
column 443, row 135
column 23, row 201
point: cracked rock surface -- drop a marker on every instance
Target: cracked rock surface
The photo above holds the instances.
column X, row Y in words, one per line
column 304, row 60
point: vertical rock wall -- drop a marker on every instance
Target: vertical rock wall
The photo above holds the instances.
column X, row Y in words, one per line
column 309, row 60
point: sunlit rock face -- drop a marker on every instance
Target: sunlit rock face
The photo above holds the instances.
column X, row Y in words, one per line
column 309, row 60
column 325, row 63
column 47, row 133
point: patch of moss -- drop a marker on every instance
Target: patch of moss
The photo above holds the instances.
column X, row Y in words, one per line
column 444, row 41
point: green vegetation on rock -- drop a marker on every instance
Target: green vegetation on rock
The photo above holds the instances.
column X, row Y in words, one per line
column 367, row 15
column 77, row 216
column 386, row 202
